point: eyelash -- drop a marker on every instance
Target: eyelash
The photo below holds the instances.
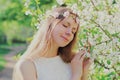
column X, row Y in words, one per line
column 66, row 27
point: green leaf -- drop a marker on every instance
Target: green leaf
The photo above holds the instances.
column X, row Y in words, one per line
column 85, row 30
column 108, row 62
column 116, row 34
column 99, row 39
column 91, row 49
column 111, row 73
column 39, row 11
column 119, row 40
column 80, row 42
column 107, row 33
column 37, row 1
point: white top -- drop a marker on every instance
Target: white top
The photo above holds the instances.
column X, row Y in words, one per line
column 52, row 69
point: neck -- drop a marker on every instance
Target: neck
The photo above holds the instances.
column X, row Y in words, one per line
column 53, row 51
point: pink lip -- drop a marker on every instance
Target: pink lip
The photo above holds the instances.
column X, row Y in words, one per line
column 64, row 38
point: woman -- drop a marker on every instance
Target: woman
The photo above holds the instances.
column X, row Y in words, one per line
column 50, row 55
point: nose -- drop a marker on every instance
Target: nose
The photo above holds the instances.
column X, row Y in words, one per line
column 68, row 31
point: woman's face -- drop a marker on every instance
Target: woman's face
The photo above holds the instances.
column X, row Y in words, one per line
column 64, row 32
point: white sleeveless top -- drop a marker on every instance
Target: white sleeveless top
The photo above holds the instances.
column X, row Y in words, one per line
column 52, row 69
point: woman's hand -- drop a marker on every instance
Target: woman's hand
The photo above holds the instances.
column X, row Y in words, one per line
column 86, row 65
column 77, row 64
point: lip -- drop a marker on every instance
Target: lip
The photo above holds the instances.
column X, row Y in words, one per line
column 65, row 38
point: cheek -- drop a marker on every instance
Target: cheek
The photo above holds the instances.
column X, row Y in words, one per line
column 72, row 37
column 55, row 32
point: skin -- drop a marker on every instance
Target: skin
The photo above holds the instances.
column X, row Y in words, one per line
column 62, row 35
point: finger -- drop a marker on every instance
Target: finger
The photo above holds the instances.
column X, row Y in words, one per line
column 82, row 57
column 79, row 54
column 89, row 62
column 82, row 53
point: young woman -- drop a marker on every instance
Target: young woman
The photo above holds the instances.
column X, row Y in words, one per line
column 50, row 55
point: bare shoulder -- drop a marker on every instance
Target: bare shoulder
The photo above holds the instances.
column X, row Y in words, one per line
column 26, row 69
column 25, row 64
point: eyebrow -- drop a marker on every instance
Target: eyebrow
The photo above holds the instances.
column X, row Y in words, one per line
column 68, row 24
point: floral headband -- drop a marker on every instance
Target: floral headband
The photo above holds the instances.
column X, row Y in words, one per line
column 65, row 14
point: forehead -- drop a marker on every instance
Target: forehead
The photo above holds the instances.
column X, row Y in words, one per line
column 70, row 21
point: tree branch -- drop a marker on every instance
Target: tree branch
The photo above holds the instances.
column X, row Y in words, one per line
column 101, row 64
column 94, row 5
column 98, row 25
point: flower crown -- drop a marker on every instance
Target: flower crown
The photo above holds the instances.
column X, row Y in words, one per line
column 65, row 15
column 58, row 15
column 74, row 8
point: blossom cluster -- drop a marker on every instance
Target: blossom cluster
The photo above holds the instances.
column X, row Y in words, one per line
column 100, row 22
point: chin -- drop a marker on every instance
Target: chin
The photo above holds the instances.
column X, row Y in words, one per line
column 63, row 45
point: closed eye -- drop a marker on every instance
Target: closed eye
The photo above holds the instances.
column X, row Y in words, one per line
column 65, row 26
column 73, row 30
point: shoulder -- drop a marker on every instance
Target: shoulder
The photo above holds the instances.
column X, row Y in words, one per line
column 25, row 64
column 26, row 69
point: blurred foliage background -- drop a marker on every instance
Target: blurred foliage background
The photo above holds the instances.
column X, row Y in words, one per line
column 14, row 24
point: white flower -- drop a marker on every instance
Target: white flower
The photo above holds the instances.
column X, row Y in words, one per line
column 74, row 8
column 77, row 20
column 115, row 40
column 60, row 2
column 37, row 25
column 66, row 14
column 87, row 54
column 54, row 6
column 40, row 17
column 28, row 12
column 27, row 3
column 106, row 71
column 48, row 12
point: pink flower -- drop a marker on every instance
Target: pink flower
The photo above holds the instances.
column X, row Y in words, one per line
column 66, row 14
